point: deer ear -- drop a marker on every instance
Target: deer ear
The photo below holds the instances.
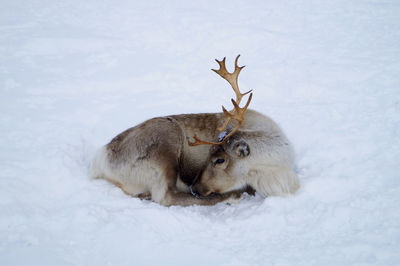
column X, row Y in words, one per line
column 239, row 147
column 242, row 149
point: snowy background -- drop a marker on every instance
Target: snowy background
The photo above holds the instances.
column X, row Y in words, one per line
column 73, row 74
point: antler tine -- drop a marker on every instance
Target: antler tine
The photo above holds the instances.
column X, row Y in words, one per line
column 242, row 110
column 232, row 78
column 238, row 116
column 237, row 109
column 201, row 142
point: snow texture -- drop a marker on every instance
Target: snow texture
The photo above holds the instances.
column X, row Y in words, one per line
column 73, row 74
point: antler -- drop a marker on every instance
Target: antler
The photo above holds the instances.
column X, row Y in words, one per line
column 232, row 78
column 237, row 113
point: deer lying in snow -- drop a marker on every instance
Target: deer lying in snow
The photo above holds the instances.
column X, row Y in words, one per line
column 156, row 160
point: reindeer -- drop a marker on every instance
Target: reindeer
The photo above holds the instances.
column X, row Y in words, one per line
column 157, row 160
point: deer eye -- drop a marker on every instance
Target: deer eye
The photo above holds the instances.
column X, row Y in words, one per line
column 219, row 161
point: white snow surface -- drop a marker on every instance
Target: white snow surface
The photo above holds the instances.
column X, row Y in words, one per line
column 73, row 74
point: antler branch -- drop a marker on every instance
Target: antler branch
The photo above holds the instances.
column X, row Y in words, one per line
column 201, row 142
column 232, row 78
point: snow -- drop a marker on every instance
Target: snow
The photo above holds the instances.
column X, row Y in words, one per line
column 74, row 74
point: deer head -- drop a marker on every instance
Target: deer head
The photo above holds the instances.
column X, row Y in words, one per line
column 225, row 155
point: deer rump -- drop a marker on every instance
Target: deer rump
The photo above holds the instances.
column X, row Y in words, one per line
column 156, row 159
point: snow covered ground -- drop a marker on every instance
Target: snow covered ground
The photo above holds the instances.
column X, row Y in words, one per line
column 73, row 74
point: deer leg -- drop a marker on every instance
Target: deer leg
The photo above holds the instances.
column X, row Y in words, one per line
column 173, row 197
column 166, row 192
